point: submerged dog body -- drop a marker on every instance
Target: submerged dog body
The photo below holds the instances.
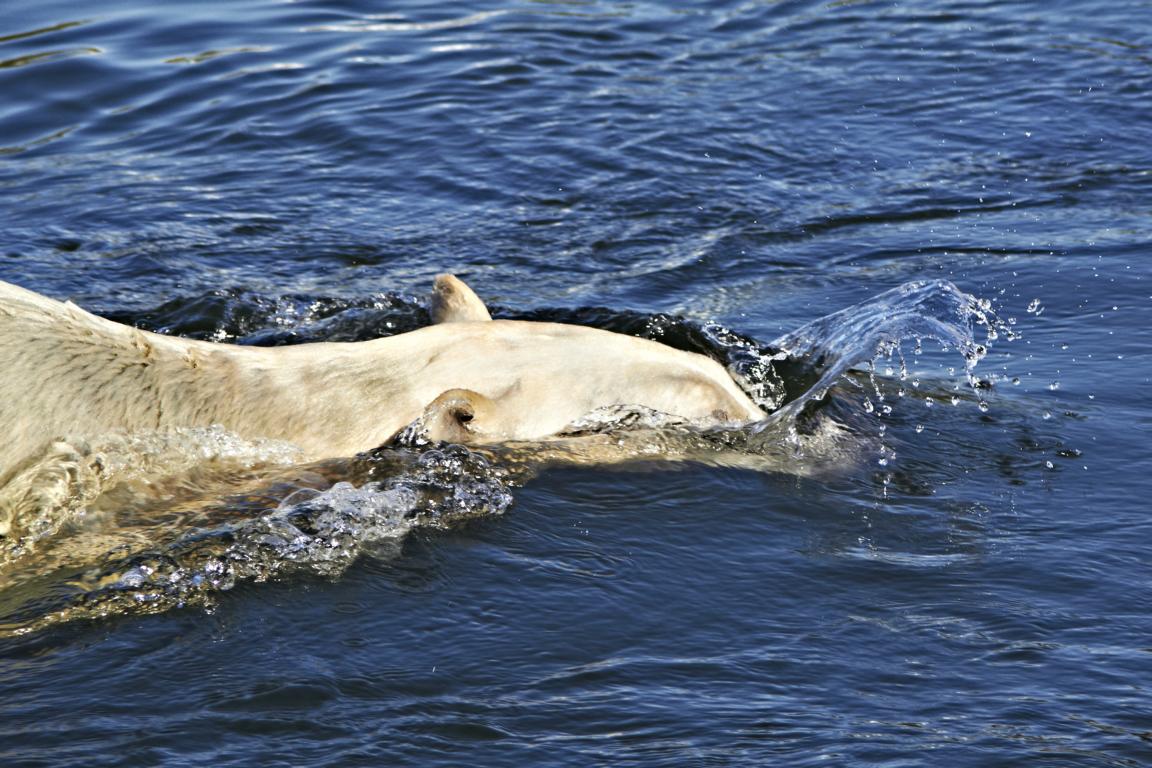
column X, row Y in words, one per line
column 64, row 371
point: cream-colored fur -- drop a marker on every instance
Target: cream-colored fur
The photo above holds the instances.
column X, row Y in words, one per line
column 64, row 371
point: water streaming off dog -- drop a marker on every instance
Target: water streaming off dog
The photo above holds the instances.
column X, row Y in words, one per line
column 149, row 521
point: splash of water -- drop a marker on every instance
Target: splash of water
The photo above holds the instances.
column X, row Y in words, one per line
column 913, row 313
column 60, row 487
column 310, row 532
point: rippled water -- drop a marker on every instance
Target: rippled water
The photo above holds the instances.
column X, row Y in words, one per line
column 921, row 228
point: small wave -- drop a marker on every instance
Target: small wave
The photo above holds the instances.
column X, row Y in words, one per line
column 400, row 24
column 249, row 317
column 309, row 532
column 73, row 482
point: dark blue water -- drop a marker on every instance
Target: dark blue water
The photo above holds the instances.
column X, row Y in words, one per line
column 966, row 587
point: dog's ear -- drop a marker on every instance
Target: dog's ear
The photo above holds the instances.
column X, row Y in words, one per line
column 454, row 302
column 458, row 416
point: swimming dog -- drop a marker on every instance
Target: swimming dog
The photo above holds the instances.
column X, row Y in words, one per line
column 468, row 378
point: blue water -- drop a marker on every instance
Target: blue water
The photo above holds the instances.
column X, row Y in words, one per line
column 965, row 587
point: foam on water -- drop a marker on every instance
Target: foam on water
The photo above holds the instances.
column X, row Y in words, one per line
column 64, row 485
column 317, row 532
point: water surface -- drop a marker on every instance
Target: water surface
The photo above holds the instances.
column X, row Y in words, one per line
column 961, row 582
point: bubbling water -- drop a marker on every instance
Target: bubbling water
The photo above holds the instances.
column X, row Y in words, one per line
column 310, row 532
